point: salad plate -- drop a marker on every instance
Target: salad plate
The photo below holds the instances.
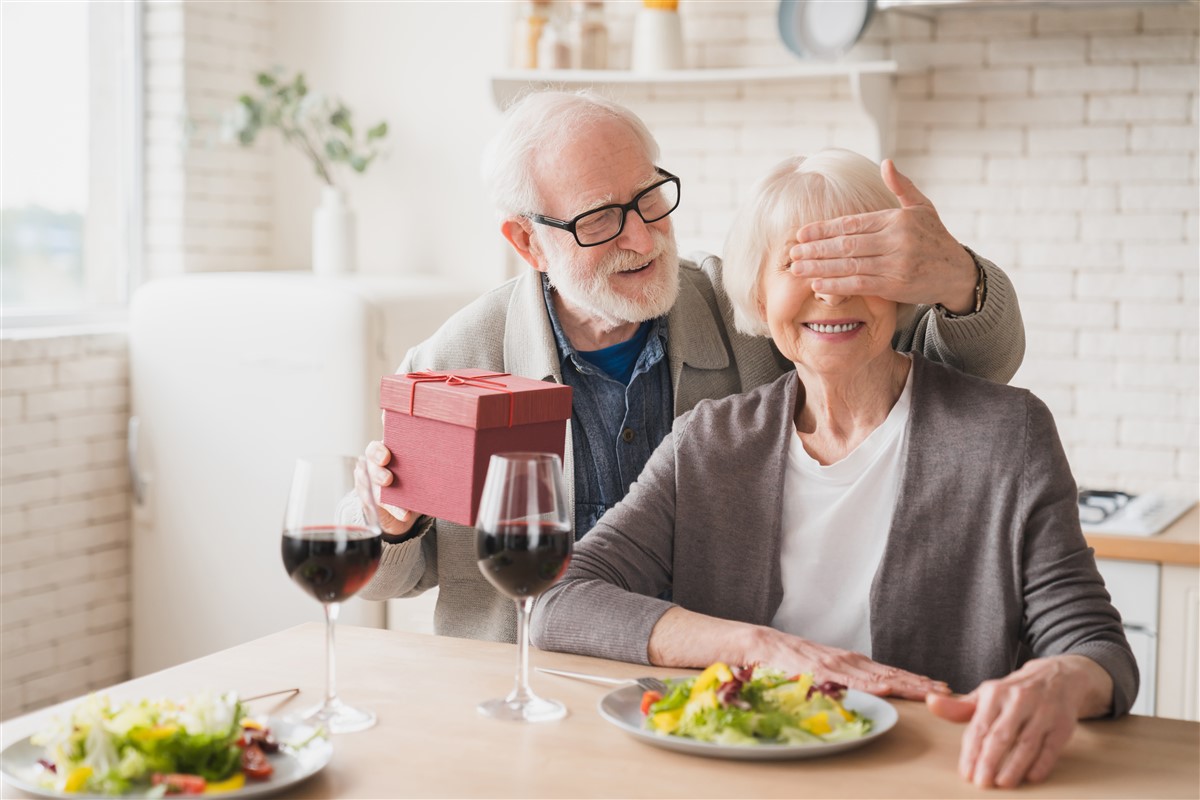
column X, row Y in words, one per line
column 18, row 763
column 623, row 707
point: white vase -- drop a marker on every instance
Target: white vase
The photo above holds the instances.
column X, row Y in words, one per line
column 333, row 234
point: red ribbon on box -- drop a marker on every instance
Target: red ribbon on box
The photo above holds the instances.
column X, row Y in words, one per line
column 451, row 379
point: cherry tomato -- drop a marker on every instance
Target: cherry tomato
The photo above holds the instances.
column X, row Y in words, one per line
column 255, row 764
column 180, row 784
column 649, row 699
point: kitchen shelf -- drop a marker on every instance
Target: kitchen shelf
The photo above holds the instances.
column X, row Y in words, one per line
column 872, row 83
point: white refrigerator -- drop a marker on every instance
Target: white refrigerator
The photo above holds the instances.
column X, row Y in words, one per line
column 233, row 376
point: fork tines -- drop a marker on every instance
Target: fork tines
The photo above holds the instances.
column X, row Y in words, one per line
column 652, row 685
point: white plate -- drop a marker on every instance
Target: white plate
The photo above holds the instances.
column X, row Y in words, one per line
column 623, row 708
column 823, row 28
column 19, row 760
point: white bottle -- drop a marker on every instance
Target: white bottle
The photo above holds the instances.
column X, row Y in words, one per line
column 657, row 39
column 589, row 35
column 554, row 48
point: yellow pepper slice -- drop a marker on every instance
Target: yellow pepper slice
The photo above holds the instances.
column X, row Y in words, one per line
column 710, row 679
column 77, row 778
column 666, row 721
column 231, row 784
column 817, row 724
column 153, row 734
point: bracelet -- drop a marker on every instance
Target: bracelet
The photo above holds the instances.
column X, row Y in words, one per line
column 980, row 294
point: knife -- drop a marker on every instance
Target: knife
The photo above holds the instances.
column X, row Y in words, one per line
column 584, row 677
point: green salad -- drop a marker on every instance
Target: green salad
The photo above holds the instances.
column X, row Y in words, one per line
column 751, row 706
column 107, row 748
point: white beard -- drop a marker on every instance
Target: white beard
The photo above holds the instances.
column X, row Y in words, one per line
column 590, row 289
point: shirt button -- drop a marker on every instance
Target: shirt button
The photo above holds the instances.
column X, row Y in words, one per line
column 627, row 434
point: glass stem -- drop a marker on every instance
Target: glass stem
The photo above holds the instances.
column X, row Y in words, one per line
column 331, row 617
column 521, row 693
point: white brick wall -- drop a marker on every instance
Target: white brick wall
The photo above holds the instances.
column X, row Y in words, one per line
column 1060, row 142
column 64, row 536
column 208, row 204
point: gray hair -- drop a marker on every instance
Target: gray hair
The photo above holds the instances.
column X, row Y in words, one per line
column 799, row 190
column 539, row 121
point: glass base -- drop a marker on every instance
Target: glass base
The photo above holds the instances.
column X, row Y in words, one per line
column 530, row 709
column 337, row 717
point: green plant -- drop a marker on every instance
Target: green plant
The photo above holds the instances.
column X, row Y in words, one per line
column 316, row 124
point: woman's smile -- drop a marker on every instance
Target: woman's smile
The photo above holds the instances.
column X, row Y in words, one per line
column 836, row 330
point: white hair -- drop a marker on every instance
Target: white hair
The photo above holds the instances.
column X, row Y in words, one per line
column 540, row 121
column 799, row 190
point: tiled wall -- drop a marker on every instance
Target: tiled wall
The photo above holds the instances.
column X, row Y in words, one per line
column 64, row 536
column 1062, row 143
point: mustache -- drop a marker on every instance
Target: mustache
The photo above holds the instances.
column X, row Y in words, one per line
column 624, row 260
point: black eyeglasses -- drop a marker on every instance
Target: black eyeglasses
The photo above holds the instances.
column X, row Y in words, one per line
column 604, row 224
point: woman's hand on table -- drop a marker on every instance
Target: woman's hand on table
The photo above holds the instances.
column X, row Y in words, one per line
column 1018, row 725
column 851, row 669
column 394, row 521
column 683, row 638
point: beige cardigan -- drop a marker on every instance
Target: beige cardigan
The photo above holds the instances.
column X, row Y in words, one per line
column 509, row 330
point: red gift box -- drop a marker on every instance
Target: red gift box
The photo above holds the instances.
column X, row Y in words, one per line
column 443, row 427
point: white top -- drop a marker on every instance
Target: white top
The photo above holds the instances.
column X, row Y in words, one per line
column 835, row 526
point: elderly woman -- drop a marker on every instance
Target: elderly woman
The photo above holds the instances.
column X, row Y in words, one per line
column 873, row 517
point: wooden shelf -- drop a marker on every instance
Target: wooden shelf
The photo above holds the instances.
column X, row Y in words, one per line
column 872, row 82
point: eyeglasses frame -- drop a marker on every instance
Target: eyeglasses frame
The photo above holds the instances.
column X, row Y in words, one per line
column 624, row 208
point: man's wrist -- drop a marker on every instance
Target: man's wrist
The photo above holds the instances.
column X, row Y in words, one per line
column 418, row 527
column 974, row 304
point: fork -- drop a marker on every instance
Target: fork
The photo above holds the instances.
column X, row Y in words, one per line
column 647, row 684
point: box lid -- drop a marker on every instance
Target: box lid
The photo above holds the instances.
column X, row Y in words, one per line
column 475, row 398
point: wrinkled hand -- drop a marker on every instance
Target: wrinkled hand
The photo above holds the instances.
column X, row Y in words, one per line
column 852, row 669
column 902, row 254
column 394, row 521
column 1017, row 725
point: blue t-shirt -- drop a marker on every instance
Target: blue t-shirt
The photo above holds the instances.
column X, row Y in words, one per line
column 619, row 360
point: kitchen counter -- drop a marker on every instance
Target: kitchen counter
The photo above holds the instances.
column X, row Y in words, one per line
column 431, row 742
column 1178, row 544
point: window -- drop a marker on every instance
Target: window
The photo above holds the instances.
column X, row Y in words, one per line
column 69, row 156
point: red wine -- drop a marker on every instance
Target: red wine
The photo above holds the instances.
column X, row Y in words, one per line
column 331, row 564
column 522, row 559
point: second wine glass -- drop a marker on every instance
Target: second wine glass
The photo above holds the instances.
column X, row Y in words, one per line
column 523, row 541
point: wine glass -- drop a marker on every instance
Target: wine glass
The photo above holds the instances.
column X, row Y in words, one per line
column 523, row 540
column 331, row 548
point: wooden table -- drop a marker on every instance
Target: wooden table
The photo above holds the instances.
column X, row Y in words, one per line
column 431, row 742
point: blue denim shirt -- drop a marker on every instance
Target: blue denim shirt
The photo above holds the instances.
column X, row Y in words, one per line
column 614, row 427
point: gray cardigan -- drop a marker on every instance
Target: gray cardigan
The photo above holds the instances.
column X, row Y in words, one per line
column 985, row 565
column 509, row 330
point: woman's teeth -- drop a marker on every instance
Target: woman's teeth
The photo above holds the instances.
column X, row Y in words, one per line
column 843, row 328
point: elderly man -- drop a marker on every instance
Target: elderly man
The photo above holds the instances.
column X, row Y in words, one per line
column 641, row 336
